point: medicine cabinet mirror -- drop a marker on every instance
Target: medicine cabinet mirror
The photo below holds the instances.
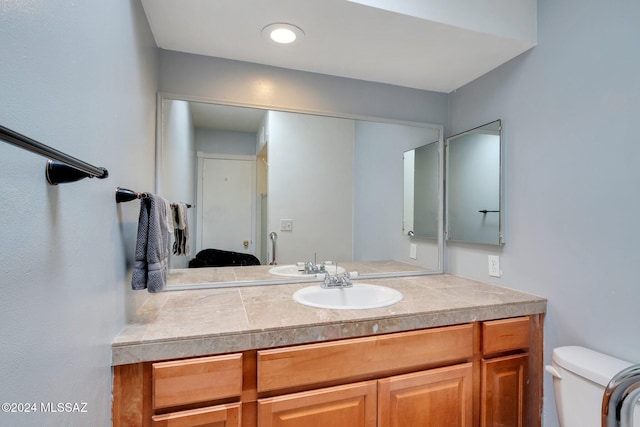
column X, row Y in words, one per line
column 328, row 187
column 421, row 217
column 474, row 198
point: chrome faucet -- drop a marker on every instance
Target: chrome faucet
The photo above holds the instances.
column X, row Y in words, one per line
column 311, row 267
column 620, row 398
column 331, row 282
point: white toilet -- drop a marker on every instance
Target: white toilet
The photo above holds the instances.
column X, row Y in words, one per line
column 580, row 376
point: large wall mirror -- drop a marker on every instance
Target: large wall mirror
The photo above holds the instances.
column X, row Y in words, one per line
column 313, row 187
column 474, row 205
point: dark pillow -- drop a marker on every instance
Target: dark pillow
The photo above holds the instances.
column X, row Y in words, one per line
column 220, row 258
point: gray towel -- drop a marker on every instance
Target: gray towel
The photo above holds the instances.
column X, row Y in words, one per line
column 152, row 246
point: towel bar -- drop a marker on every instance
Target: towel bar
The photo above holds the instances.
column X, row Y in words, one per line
column 66, row 169
column 125, row 195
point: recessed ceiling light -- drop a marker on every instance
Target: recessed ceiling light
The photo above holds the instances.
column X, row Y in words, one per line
column 282, row 33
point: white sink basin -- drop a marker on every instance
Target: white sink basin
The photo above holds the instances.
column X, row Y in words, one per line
column 293, row 270
column 360, row 296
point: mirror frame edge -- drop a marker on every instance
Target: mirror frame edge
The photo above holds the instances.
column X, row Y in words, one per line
column 161, row 96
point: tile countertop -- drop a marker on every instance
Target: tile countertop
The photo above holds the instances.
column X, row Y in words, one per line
column 190, row 323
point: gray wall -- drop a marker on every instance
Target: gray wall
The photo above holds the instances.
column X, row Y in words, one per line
column 81, row 77
column 279, row 88
column 225, row 142
column 570, row 111
column 178, row 176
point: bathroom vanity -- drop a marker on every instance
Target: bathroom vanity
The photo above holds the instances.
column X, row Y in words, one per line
column 452, row 352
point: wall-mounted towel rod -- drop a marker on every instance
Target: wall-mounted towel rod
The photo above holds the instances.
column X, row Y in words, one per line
column 66, row 169
column 125, row 195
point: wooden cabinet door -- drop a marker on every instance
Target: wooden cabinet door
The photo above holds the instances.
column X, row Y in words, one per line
column 352, row 405
column 215, row 416
column 440, row 397
column 504, row 391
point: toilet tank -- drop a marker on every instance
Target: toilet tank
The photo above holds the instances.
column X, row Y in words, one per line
column 580, row 376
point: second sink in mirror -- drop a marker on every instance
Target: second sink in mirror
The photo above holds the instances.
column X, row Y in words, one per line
column 294, row 270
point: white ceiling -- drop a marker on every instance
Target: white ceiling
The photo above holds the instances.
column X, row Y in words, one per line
column 342, row 38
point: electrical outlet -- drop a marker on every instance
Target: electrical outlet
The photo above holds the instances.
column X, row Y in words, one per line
column 494, row 266
column 286, row 225
column 413, row 249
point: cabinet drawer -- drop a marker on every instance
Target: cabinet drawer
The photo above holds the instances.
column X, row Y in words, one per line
column 215, row 416
column 505, row 335
column 196, row 380
column 362, row 358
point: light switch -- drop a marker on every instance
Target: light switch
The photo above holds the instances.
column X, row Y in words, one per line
column 286, row 225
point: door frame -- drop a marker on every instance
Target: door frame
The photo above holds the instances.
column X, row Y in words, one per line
column 199, row 195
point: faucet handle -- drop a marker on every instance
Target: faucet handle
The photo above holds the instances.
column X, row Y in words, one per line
column 346, row 279
column 327, row 279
